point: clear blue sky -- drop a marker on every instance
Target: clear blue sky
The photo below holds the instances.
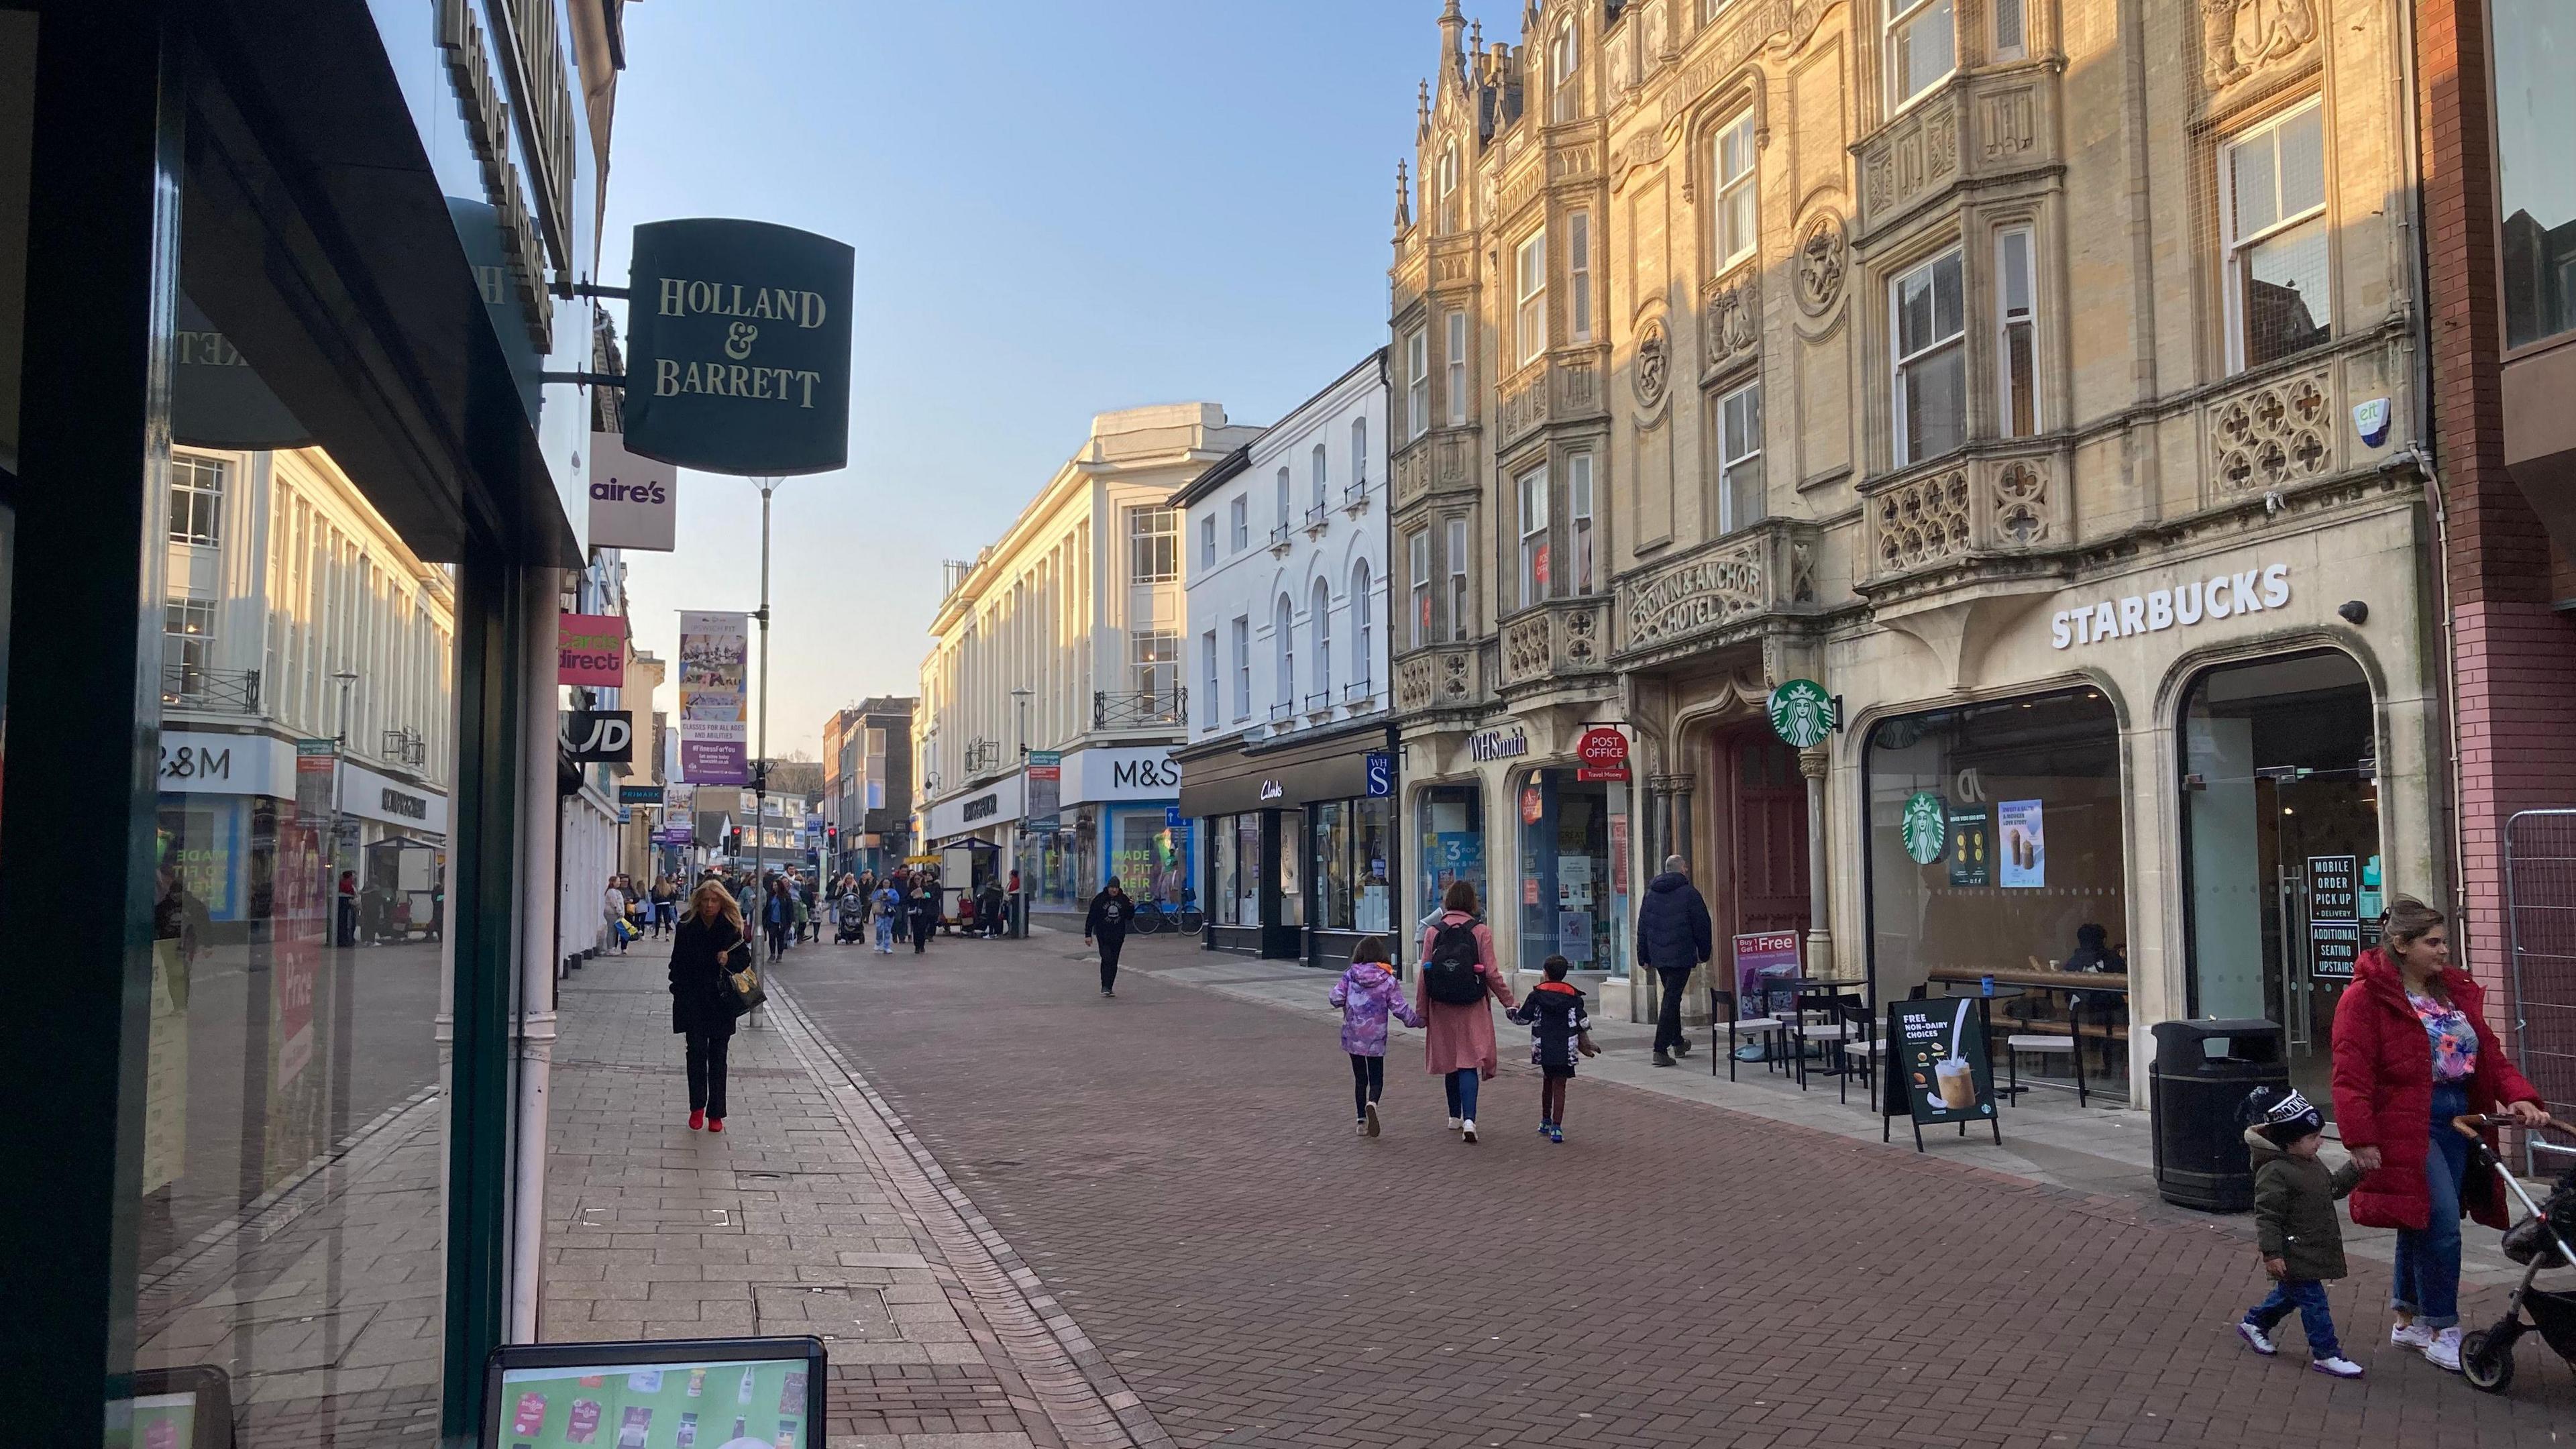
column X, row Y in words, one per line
column 1059, row 209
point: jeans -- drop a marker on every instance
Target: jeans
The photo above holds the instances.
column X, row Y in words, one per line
column 1368, row 1077
column 1460, row 1086
column 1110, row 946
column 2309, row 1298
column 1668, row 1021
column 707, row 1073
column 885, row 934
column 2427, row 1280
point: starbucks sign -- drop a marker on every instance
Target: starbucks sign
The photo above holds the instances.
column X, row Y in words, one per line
column 1802, row 713
column 1925, row 826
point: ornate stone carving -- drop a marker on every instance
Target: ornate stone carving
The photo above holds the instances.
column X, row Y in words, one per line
column 1704, row 592
column 2008, row 124
column 1802, row 572
column 1412, row 475
column 1940, row 142
column 1922, row 522
column 1821, row 262
column 1582, row 637
column 1654, row 363
column 1735, row 318
column 1525, row 401
column 1413, row 683
column 1579, row 386
column 1525, row 648
column 1453, row 678
column 1783, row 26
column 1453, row 461
column 2019, row 501
column 2240, row 37
column 2272, row 435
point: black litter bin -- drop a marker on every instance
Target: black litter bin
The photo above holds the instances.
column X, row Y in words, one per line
column 2202, row 1071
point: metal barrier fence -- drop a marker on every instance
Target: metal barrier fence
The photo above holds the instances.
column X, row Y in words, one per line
column 2540, row 909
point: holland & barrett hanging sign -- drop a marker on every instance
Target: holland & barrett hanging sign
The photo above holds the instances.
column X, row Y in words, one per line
column 740, row 348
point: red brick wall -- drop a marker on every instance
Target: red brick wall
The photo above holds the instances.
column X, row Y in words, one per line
column 2516, row 655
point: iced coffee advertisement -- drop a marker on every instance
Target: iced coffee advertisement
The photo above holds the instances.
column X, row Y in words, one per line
column 759, row 1404
column 1940, row 1056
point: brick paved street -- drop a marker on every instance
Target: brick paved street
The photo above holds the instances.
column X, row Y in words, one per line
column 1179, row 1169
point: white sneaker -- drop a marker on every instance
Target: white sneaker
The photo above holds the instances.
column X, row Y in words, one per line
column 2444, row 1351
column 1453, row 1124
column 1467, row 1133
column 2342, row 1368
column 1370, row 1123
column 2410, row 1335
column 1364, row 1127
column 2256, row 1339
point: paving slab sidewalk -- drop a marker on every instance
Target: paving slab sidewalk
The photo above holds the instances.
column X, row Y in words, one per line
column 815, row 1211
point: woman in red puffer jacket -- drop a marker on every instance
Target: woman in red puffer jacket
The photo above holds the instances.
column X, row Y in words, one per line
column 2412, row 1050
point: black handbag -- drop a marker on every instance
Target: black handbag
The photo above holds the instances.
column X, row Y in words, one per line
column 742, row 990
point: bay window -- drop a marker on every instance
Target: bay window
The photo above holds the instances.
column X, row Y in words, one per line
column 1578, row 505
column 1533, row 500
column 1922, row 48
column 1529, row 321
column 1457, row 369
column 2017, row 380
column 1739, row 454
column 1930, row 390
column 1461, row 615
column 1417, row 558
column 1417, row 386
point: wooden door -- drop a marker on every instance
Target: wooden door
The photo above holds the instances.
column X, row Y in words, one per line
column 1766, row 842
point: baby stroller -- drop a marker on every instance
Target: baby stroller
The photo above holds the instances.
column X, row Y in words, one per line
column 2542, row 1242
column 849, row 918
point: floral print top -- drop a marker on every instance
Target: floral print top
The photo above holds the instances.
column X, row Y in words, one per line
column 1368, row 994
column 2455, row 1040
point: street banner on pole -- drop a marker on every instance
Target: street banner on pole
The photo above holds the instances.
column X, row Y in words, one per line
column 590, row 649
column 738, row 347
column 634, row 501
column 714, row 737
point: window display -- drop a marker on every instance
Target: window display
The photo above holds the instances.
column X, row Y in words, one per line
column 2034, row 849
column 1352, row 843
column 1292, row 872
column 1452, row 842
column 1572, row 899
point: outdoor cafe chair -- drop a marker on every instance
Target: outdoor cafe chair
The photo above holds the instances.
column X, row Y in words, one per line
column 1723, row 1022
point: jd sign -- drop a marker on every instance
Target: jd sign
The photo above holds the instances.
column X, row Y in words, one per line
column 740, row 348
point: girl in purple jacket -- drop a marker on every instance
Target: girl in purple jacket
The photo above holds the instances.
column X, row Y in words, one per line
column 1368, row 994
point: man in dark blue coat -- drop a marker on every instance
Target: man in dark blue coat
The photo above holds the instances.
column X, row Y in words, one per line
column 1673, row 937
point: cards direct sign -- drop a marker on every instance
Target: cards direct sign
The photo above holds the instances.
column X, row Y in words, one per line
column 2216, row 597
column 634, row 502
column 590, row 649
column 739, row 347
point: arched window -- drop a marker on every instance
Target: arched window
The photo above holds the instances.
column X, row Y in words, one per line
column 1363, row 650
column 1284, row 627
column 1322, row 616
column 1359, row 452
column 1564, row 76
column 1321, row 469
column 1448, row 188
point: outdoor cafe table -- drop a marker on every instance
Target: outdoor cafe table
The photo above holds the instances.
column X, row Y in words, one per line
column 1803, row 989
column 2023, row 978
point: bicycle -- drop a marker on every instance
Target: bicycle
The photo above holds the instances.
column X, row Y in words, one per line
column 1152, row 916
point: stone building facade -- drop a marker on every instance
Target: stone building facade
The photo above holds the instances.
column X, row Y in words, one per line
column 2042, row 377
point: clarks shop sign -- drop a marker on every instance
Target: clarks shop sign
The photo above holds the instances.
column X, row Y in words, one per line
column 739, row 358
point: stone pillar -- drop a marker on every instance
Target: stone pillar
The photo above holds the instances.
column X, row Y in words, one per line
column 1820, row 935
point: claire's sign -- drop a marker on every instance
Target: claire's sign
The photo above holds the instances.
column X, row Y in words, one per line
column 739, row 347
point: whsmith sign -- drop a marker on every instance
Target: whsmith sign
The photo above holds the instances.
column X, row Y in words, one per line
column 739, row 348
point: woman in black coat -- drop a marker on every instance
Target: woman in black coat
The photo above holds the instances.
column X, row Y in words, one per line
column 921, row 913
column 1107, row 924
column 710, row 942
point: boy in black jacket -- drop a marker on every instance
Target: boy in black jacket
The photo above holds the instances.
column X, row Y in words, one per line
column 1558, row 1029
column 2296, row 1232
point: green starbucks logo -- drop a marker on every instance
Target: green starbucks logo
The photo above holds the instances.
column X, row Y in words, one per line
column 1802, row 713
column 1925, row 826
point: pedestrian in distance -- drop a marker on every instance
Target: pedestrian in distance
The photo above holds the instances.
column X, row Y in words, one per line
column 2412, row 1051
column 1553, row 1011
column 612, row 905
column 1368, row 994
column 709, row 943
column 777, row 915
column 990, row 910
column 921, row 916
column 1107, row 924
column 2296, row 1234
column 902, row 883
column 1458, row 975
column 666, row 902
column 889, row 910
column 1673, row 937
column 800, row 901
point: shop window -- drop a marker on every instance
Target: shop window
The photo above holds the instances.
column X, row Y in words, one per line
column 1152, row 859
column 2018, row 345
column 1247, row 875
column 1740, row 499
column 1332, row 865
column 1457, row 359
column 1922, row 48
column 1578, row 501
column 1353, row 839
column 1529, row 321
column 196, row 500
column 2535, row 113
column 1292, row 867
column 1225, row 870
column 1533, row 510
column 1931, row 387
column 1417, row 385
column 1372, row 861
column 2274, row 180
column 2282, row 860
column 1573, row 871
column 1451, row 821
column 1995, row 836
column 1736, row 199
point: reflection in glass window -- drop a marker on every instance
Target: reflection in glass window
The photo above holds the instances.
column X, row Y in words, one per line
column 2535, row 114
column 1452, row 843
column 1533, row 494
column 1332, row 865
column 2276, row 238
column 1292, row 867
column 196, row 500
column 187, row 648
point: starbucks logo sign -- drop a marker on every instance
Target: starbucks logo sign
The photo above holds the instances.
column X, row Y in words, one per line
column 1802, row 713
column 1925, row 826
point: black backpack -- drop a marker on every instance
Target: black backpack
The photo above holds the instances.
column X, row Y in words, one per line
column 1450, row 972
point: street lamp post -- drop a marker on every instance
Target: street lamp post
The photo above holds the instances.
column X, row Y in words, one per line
column 760, row 760
column 1020, row 832
column 339, row 770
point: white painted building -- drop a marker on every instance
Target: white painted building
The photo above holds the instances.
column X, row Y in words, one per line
column 1287, row 629
column 1064, row 637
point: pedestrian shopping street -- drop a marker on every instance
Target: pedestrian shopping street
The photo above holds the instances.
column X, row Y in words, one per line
column 1010, row 1204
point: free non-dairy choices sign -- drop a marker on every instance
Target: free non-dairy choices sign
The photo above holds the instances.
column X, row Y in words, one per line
column 739, row 347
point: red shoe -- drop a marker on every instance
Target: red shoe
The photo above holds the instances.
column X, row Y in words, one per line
column 697, row 1121
column 715, row 1124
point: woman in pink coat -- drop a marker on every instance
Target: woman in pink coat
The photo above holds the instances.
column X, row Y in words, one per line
column 1459, row 1035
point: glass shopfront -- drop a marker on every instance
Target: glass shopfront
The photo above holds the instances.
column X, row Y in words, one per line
column 1452, row 842
column 2280, row 795
column 1573, row 875
column 1995, row 837
column 1291, row 853
column 1353, row 841
column 1152, row 858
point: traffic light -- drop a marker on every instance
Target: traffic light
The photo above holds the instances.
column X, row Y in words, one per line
column 733, row 844
column 831, row 837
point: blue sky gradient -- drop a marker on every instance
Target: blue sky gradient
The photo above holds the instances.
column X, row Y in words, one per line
column 1059, row 210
